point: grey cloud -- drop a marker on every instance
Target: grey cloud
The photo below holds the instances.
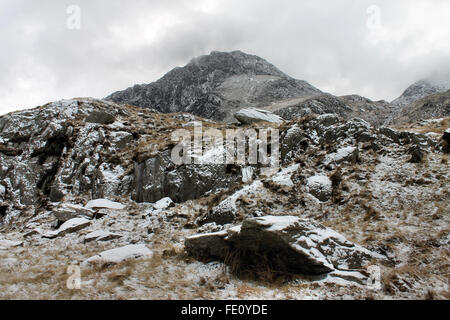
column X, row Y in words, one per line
column 125, row 42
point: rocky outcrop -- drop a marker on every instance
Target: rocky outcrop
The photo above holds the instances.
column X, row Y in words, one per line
column 422, row 89
column 159, row 177
column 346, row 154
column 70, row 226
column 431, row 107
column 57, row 151
column 288, row 244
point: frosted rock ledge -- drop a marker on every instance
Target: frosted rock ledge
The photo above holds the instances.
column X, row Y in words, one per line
column 288, row 243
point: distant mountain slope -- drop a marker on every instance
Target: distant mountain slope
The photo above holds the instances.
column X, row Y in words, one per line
column 422, row 89
column 216, row 85
column 431, row 107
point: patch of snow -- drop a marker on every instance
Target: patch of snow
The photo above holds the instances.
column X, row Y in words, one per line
column 121, row 254
column 247, row 174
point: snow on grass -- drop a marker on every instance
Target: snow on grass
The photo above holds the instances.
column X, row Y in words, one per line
column 121, row 254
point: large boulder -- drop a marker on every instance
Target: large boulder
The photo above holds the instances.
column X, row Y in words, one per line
column 252, row 115
column 320, row 187
column 286, row 243
column 70, row 226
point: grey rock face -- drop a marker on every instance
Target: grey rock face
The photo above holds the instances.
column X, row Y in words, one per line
column 214, row 85
column 320, row 187
column 347, row 107
column 422, row 89
column 100, row 117
column 53, row 151
column 430, row 107
column 159, row 177
column 405, row 137
column 319, row 104
column 289, row 244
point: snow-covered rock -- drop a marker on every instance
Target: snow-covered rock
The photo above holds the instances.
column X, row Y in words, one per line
column 289, row 243
column 104, row 204
column 283, row 178
column 67, row 211
column 348, row 154
column 251, row 115
column 70, row 226
column 121, row 254
column 225, row 212
column 163, row 204
column 101, row 235
column 247, row 174
column 320, row 187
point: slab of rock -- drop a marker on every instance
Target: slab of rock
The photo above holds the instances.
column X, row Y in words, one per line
column 121, row 254
column 320, row 187
column 104, row 204
column 163, row 204
column 252, row 115
column 101, row 235
column 289, row 244
column 347, row 154
column 70, row 226
column 67, row 212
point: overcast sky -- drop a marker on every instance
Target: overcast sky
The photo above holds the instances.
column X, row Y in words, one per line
column 373, row 48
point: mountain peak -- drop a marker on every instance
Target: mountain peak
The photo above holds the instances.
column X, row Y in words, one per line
column 423, row 88
column 216, row 85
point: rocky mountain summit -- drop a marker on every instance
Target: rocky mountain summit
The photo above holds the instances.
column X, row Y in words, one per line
column 215, row 85
column 93, row 183
column 218, row 85
column 422, row 89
